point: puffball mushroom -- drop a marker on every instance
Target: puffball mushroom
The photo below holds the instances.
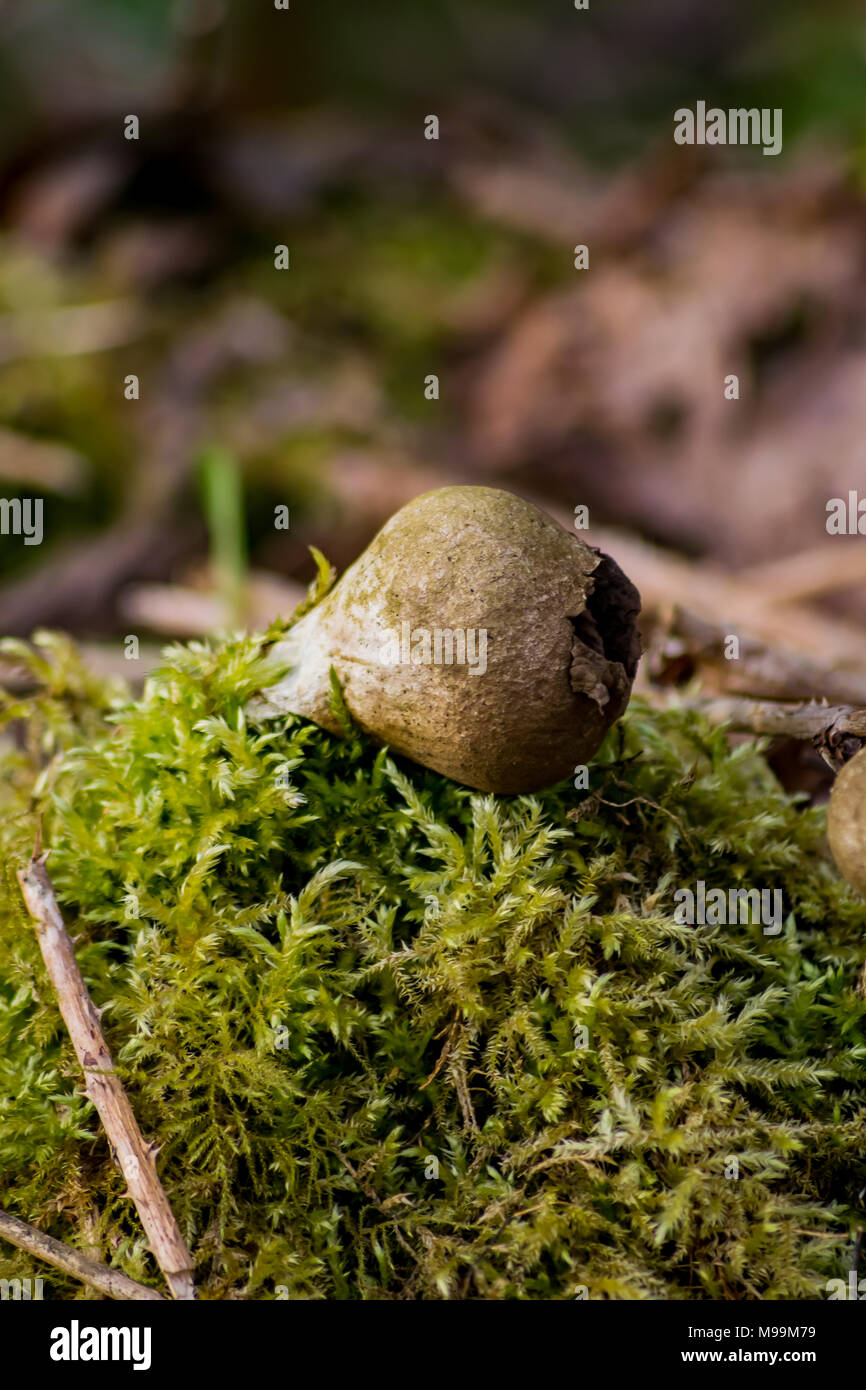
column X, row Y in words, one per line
column 474, row 635
column 846, row 821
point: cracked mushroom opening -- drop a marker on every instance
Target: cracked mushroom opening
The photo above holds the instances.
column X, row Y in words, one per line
column 606, row 629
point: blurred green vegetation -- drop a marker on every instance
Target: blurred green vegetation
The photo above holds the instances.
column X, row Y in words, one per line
column 624, row 55
column 378, row 268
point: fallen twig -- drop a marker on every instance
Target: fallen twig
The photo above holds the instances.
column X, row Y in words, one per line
column 90, row 1272
column 681, row 642
column 135, row 1158
column 799, row 578
column 837, row 731
column 185, row 612
column 71, row 330
column 665, row 579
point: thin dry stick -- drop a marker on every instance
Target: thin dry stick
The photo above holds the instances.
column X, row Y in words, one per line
column 836, row 730
column 761, row 672
column 809, row 573
column 664, row 578
column 135, row 1158
column 91, row 1272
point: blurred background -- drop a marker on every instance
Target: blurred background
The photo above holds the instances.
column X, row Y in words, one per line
column 304, row 388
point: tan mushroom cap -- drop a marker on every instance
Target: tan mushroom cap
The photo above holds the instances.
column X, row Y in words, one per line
column 545, row 624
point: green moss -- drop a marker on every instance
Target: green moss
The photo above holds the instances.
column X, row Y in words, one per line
column 347, row 996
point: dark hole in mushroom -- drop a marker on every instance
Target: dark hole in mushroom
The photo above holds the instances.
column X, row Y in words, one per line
column 608, row 623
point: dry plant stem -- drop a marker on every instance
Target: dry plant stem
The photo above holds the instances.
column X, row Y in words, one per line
column 135, row 1158
column 184, row 612
column 761, row 672
column 810, row 573
column 664, row 578
column 836, row 730
column 90, row 1272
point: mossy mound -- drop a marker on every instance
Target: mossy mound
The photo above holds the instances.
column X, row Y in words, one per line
column 397, row 1039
